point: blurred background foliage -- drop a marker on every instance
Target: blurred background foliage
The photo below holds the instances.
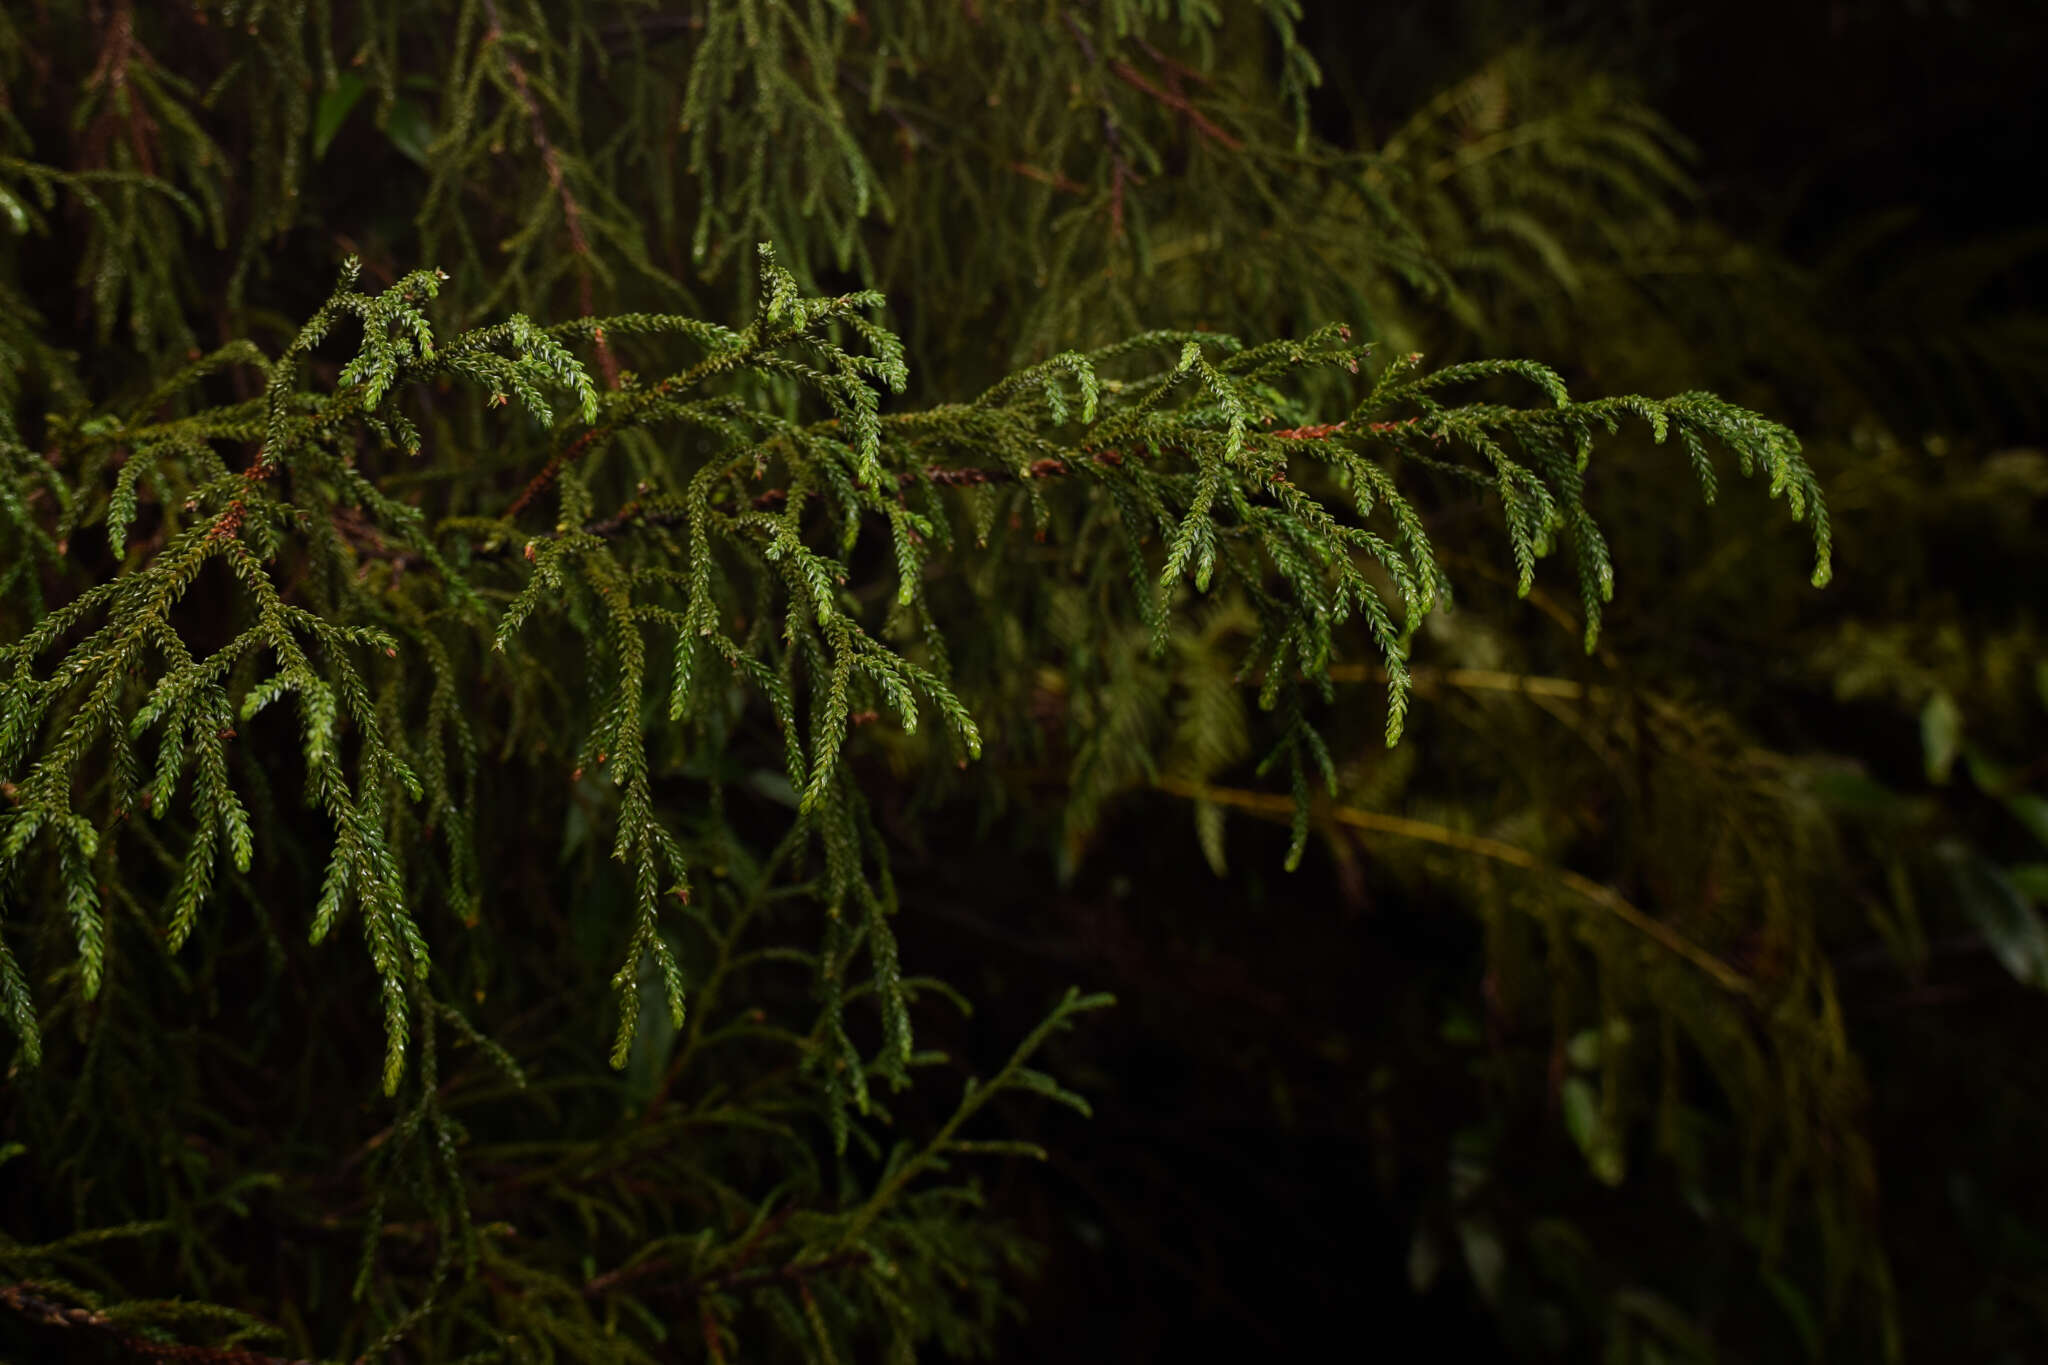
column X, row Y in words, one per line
column 1415, row 1087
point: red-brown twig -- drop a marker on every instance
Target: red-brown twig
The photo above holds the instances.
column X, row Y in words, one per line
column 1045, row 177
column 538, row 484
column 572, row 212
column 967, row 477
column 120, row 51
column 22, row 1298
column 1173, row 99
column 1310, row 433
column 974, row 475
column 737, row 1275
column 229, row 523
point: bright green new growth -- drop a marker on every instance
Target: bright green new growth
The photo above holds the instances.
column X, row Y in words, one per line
column 1170, row 435
column 474, row 610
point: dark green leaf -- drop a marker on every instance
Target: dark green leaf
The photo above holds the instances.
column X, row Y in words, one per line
column 410, row 130
column 2032, row 881
column 333, row 111
column 2011, row 927
column 2031, row 811
column 1941, row 735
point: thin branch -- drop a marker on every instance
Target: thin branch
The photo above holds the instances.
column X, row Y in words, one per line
column 1613, row 902
column 567, row 455
column 572, row 212
column 1045, row 177
column 1173, row 99
column 1478, row 680
column 22, row 1298
column 736, row 1276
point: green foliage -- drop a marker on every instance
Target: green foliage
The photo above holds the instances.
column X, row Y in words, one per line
column 1169, row 457
column 1160, row 466
column 586, row 693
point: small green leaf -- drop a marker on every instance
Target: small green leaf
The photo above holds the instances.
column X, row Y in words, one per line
column 2031, row 811
column 1585, row 1047
column 1461, row 1028
column 2032, row 881
column 333, row 111
column 1991, row 778
column 1941, row 735
column 2011, row 927
column 410, row 130
column 1999, row 782
column 1856, row 792
column 1424, row 1261
column 1799, row 1310
column 775, row 786
column 1589, row 1130
column 16, row 214
column 1581, row 1111
column 1209, row 830
column 1485, row 1257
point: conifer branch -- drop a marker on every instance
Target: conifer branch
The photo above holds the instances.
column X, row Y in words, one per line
column 551, row 162
column 1219, row 490
column 31, row 1300
column 906, row 1166
column 549, row 754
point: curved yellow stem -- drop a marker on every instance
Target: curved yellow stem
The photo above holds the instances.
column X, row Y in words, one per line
column 1266, row 803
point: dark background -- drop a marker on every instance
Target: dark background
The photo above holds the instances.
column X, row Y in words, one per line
column 1186, row 1220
